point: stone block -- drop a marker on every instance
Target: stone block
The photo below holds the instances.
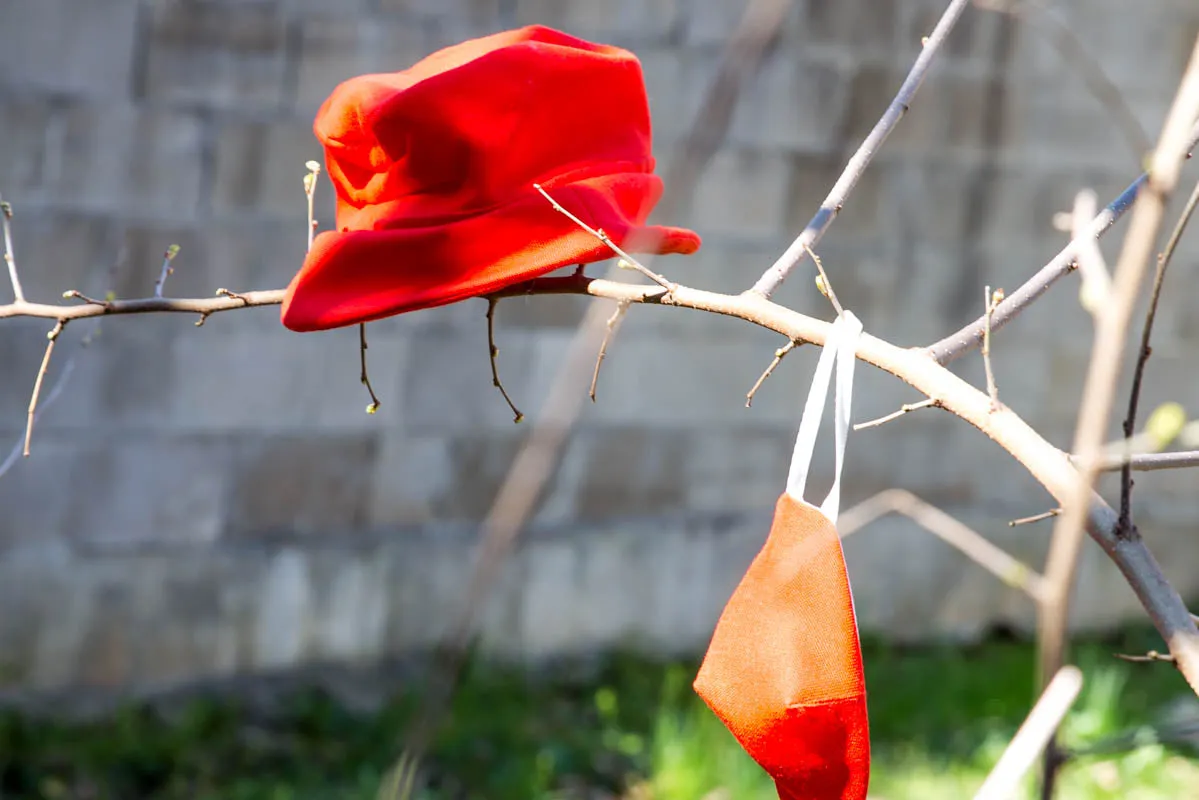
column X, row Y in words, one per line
column 241, row 381
column 81, row 47
column 260, row 169
column 676, row 81
column 742, row 195
column 618, row 470
column 142, row 161
column 333, row 8
column 333, row 50
column 106, row 492
column 307, row 483
column 793, row 104
column 475, row 14
column 865, row 24
column 619, row 22
column 215, row 54
column 447, row 385
column 24, row 118
column 674, row 579
column 711, row 24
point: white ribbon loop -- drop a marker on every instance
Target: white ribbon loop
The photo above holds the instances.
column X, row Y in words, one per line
column 840, row 348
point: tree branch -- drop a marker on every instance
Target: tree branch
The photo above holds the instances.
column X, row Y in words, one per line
column 1134, row 394
column 970, row 337
column 1051, row 467
column 144, row 305
column 773, row 278
column 10, row 258
column 1111, row 326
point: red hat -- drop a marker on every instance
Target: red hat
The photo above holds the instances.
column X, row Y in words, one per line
column 434, row 170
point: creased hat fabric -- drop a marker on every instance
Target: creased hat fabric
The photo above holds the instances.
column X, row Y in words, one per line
column 434, row 169
column 784, row 668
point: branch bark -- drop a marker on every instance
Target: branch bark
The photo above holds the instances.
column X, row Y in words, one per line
column 773, row 278
column 970, row 337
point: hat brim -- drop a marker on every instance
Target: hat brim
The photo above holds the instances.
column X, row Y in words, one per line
column 358, row 276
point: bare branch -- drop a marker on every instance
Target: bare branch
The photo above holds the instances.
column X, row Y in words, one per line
column 364, row 377
column 973, row 545
column 310, row 178
column 779, row 355
column 167, row 258
column 627, row 259
column 613, row 326
column 970, row 337
column 811, row 235
column 905, row 409
column 145, row 305
column 10, row 256
column 1149, row 462
column 1148, row 657
column 494, row 351
column 1050, row 514
column 822, row 282
column 1033, row 735
column 990, row 300
column 1134, row 394
column 1046, row 463
column 52, row 336
column 1096, row 282
column 1099, row 390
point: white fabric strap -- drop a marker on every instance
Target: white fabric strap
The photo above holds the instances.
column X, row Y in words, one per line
column 840, row 348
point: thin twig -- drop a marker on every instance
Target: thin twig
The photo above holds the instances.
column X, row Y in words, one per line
column 811, row 235
column 607, row 241
column 1009, row 569
column 824, row 284
column 245, row 300
column 72, row 294
column 494, row 351
column 365, row 378
column 1033, row 735
column 1096, row 281
column 906, row 408
column 1150, row 656
column 990, row 301
column 314, row 170
column 167, row 269
column 1050, row 514
column 1134, row 394
column 1107, row 356
column 10, row 256
column 970, row 337
column 55, row 392
column 779, row 355
column 52, row 336
column 1151, row 462
column 613, row 326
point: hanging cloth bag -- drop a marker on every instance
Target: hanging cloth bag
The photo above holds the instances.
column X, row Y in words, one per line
column 784, row 668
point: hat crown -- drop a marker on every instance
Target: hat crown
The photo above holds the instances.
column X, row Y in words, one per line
column 473, row 125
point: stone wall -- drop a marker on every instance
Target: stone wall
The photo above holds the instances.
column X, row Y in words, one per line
column 214, row 501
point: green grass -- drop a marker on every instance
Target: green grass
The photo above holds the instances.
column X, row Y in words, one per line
column 633, row 730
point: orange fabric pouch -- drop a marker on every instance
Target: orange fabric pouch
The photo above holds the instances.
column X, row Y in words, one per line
column 784, row 668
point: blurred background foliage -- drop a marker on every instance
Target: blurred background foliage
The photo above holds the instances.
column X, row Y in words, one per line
column 627, row 728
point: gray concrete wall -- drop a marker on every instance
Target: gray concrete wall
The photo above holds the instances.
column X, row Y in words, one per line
column 214, row 501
